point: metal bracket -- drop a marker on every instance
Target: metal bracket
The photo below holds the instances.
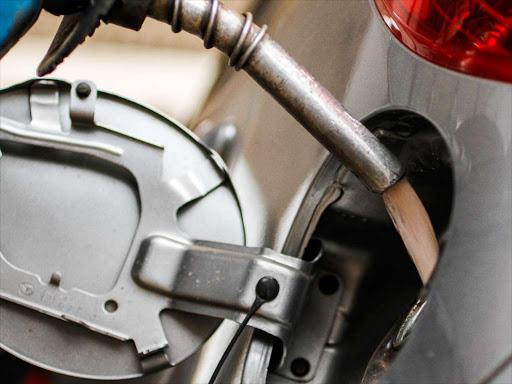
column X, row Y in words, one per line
column 82, row 102
column 219, row 280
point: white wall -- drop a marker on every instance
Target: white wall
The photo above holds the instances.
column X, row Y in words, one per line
column 171, row 72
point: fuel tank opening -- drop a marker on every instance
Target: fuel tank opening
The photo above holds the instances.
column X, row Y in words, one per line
column 361, row 246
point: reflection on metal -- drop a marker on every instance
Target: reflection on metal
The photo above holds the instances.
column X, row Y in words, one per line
column 388, row 349
column 131, row 136
column 44, row 107
column 211, row 24
column 17, row 130
column 194, row 182
column 409, row 322
column 239, row 59
column 258, row 360
column 236, row 52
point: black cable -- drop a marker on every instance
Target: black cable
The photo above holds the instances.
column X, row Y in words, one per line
column 255, row 306
column 267, row 290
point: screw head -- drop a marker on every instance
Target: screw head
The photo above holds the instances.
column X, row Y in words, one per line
column 267, row 288
column 83, row 90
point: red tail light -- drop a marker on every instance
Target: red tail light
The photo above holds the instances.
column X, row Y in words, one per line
column 36, row 376
column 470, row 36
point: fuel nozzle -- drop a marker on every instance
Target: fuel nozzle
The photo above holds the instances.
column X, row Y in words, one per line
column 250, row 48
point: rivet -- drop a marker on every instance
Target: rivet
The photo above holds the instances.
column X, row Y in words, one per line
column 83, row 90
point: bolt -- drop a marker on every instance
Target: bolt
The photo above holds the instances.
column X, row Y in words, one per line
column 83, row 90
column 267, row 288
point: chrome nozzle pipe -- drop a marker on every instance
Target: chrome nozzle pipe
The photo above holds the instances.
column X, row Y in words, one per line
column 313, row 106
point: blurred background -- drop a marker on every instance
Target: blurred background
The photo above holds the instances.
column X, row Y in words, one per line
column 170, row 72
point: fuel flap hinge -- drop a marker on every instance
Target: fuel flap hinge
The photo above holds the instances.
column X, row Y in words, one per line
column 219, row 280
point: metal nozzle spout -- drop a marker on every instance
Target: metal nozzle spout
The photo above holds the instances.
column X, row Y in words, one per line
column 324, row 117
column 250, row 48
